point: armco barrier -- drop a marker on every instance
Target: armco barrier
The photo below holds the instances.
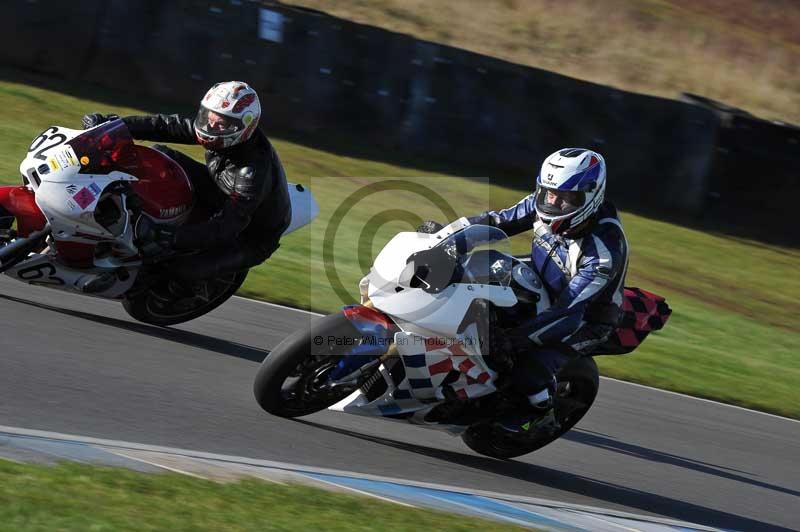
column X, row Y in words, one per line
column 48, row 37
column 323, row 75
column 755, row 176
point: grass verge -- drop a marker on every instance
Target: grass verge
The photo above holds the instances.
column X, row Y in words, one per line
column 715, row 47
column 734, row 333
column 80, row 497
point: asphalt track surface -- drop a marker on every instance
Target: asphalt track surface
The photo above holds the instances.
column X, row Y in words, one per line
column 81, row 366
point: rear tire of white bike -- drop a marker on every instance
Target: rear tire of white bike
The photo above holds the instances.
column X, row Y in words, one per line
column 583, row 378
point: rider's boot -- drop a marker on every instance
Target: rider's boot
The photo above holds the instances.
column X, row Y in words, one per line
column 538, row 417
column 97, row 282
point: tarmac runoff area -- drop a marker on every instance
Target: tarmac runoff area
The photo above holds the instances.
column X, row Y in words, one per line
column 76, row 365
column 34, row 446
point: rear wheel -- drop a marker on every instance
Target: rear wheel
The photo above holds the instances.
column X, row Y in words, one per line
column 156, row 309
column 578, row 383
column 293, row 379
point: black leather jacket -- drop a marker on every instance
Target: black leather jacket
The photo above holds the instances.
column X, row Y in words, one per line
column 256, row 202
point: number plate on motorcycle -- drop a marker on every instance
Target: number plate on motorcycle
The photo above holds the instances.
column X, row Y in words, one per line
column 63, row 159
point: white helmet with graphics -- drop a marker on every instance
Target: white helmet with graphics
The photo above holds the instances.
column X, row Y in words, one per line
column 570, row 188
column 228, row 115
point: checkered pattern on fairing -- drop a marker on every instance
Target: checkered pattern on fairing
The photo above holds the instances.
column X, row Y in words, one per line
column 428, row 363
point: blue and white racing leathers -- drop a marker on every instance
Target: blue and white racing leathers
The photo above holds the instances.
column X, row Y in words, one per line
column 584, row 277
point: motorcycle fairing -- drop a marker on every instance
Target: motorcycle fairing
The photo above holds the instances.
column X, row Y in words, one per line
column 304, row 207
column 20, row 202
column 44, row 270
column 67, row 196
column 430, row 365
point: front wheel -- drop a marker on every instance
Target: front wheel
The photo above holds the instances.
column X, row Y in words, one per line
column 578, row 383
column 156, row 309
column 292, row 380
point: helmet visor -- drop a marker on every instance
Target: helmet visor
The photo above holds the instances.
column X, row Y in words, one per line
column 216, row 124
column 554, row 202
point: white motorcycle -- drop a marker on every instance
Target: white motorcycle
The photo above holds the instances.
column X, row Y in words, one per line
column 71, row 224
column 417, row 349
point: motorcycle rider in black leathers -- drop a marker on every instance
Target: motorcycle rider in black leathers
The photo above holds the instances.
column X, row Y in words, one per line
column 580, row 252
column 243, row 184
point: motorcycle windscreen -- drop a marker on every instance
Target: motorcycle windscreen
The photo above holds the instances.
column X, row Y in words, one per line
column 106, row 148
column 478, row 254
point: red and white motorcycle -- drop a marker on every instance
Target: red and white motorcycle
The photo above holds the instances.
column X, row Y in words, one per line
column 73, row 219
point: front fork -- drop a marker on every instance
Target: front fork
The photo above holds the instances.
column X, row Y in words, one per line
column 17, row 250
column 377, row 334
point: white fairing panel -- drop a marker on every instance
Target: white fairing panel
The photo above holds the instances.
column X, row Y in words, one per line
column 392, row 258
column 304, row 207
column 391, row 261
column 69, row 204
column 45, row 270
column 67, row 197
column 440, row 313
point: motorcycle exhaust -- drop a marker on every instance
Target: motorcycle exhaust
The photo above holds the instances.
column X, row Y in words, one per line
column 12, row 253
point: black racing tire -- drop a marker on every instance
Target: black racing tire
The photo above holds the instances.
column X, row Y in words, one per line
column 578, row 382
column 140, row 306
column 298, row 357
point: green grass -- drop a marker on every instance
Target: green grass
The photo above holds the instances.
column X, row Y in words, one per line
column 733, row 335
column 84, row 498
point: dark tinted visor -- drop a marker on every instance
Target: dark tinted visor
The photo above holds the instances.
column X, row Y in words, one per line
column 559, row 202
column 216, row 124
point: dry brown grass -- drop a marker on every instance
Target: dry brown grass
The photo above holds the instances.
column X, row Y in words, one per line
column 743, row 52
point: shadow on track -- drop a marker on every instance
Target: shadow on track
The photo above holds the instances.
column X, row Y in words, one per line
column 604, row 442
column 209, row 343
column 569, row 482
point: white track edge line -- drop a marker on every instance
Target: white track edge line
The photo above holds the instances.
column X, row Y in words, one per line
column 356, row 490
column 636, row 384
column 155, row 464
column 300, row 469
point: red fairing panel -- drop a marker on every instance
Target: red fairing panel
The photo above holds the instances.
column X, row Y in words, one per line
column 21, row 202
column 76, row 254
column 163, row 186
column 360, row 316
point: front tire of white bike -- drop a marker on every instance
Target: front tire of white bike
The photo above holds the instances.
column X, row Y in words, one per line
column 288, row 382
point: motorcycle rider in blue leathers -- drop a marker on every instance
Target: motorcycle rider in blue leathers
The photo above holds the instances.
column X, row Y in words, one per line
column 580, row 252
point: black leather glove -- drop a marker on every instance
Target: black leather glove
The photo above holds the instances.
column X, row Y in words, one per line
column 430, row 227
column 152, row 238
column 95, row 119
column 509, row 342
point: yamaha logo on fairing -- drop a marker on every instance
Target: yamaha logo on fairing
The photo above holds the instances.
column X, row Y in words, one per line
column 172, row 211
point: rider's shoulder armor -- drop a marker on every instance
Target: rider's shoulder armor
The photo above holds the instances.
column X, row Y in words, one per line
column 241, row 171
column 245, row 183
